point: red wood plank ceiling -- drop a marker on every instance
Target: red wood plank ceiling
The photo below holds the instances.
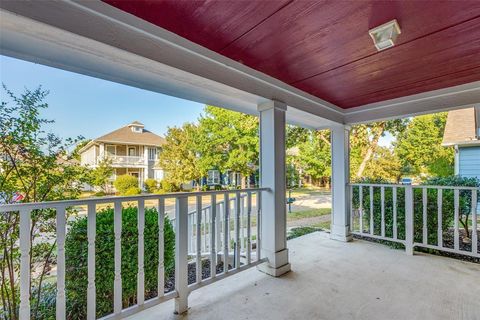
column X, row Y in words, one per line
column 323, row 47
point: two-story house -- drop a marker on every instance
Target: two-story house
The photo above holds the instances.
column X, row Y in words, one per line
column 131, row 149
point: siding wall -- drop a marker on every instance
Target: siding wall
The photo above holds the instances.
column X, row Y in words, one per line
column 469, row 161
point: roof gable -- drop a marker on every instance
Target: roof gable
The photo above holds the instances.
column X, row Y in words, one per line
column 460, row 127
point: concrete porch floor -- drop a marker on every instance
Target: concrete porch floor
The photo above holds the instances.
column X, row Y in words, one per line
column 335, row 280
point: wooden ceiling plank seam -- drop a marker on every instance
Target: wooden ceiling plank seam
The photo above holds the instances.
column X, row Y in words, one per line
column 256, row 25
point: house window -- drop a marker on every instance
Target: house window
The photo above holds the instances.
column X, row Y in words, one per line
column 213, row 177
column 152, row 154
column 132, row 151
column 111, row 150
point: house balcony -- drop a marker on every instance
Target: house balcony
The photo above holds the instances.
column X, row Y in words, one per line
column 127, row 161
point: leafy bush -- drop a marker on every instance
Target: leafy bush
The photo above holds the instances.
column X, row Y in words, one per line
column 125, row 182
column 432, row 208
column 151, row 185
column 76, row 250
column 132, row 191
column 167, row 186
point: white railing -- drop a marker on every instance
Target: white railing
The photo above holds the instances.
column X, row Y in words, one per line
column 222, row 230
column 404, row 214
column 126, row 160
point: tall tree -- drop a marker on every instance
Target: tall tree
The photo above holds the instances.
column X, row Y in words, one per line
column 229, row 141
column 364, row 142
column 420, row 149
column 180, row 155
column 36, row 165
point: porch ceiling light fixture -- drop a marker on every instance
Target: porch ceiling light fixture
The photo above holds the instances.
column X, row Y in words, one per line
column 384, row 36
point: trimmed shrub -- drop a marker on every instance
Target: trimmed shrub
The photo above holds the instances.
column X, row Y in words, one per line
column 151, row 185
column 76, row 250
column 125, row 182
column 166, row 186
column 132, row 191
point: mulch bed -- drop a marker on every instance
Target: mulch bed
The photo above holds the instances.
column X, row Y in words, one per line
column 192, row 274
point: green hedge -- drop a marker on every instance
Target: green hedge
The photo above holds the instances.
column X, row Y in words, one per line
column 76, row 250
column 432, row 209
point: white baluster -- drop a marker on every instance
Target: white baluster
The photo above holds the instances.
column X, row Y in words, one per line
column 425, row 222
column 439, row 218
column 395, row 227
column 371, row 210
column 218, row 223
column 161, row 244
column 141, row 252
column 189, row 232
column 213, row 219
column 409, row 220
column 226, row 232
column 360, row 207
column 206, row 224
column 474, row 235
column 259, row 227
column 456, row 235
column 61, row 230
column 199, row 239
column 352, row 212
column 117, row 282
column 181, row 254
column 382, row 208
column 24, row 311
column 91, row 233
column 238, row 203
column 249, row 225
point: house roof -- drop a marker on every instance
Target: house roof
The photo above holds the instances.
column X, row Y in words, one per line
column 460, row 128
column 125, row 135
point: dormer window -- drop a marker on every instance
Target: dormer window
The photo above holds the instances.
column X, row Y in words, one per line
column 136, row 127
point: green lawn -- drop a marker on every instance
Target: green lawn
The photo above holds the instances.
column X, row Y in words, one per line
column 308, row 214
column 310, row 191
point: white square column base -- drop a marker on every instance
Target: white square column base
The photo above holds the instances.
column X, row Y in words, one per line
column 277, row 263
column 340, row 233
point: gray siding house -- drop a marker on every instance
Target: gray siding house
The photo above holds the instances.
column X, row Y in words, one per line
column 463, row 132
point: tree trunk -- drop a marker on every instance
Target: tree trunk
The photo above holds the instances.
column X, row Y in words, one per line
column 243, row 182
column 371, row 149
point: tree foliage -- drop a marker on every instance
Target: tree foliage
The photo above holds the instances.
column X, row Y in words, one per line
column 37, row 165
column 100, row 176
column 419, row 147
column 180, row 155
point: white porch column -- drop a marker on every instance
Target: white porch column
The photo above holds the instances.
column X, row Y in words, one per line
column 272, row 175
column 340, row 136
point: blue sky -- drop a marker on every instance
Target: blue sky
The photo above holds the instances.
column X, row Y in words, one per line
column 91, row 107
column 82, row 105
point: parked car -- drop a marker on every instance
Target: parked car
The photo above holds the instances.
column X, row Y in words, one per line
column 406, row 181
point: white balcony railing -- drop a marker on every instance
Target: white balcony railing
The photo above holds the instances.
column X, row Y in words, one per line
column 220, row 230
column 126, row 160
column 434, row 217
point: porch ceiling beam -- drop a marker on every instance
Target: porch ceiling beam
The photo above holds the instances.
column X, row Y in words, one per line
column 427, row 102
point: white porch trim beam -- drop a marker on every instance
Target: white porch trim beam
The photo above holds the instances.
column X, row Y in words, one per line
column 272, row 176
column 340, row 148
column 457, row 97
